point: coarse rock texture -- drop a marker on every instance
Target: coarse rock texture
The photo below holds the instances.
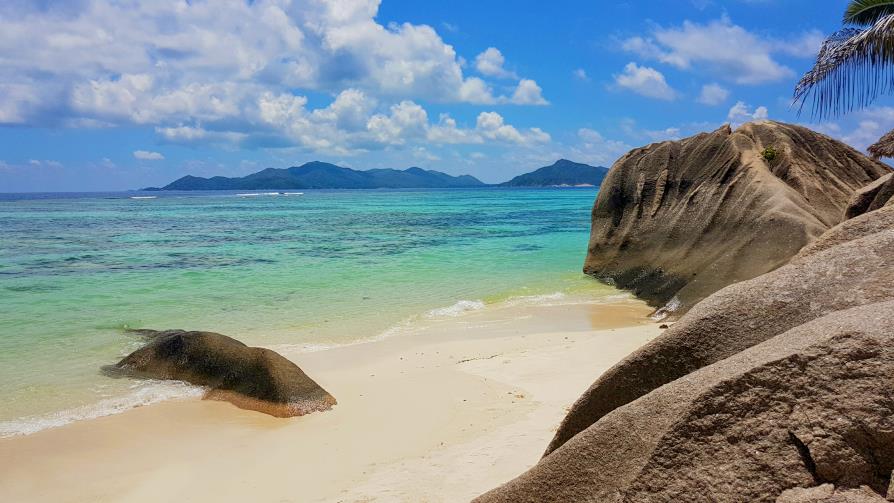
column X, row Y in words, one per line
column 808, row 407
column 849, row 230
column 872, row 197
column 827, row 493
column 678, row 220
column 251, row 378
column 853, row 273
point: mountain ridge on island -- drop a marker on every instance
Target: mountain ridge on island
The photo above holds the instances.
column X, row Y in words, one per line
column 562, row 173
column 323, row 175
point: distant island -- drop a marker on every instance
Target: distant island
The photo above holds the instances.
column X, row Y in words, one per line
column 323, row 175
column 562, row 173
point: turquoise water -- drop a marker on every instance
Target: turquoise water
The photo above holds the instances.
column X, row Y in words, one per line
column 322, row 268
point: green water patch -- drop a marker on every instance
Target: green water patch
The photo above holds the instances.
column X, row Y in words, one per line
column 329, row 267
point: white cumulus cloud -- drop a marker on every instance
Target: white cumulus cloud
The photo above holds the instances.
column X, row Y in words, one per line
column 528, row 93
column 44, row 163
column 713, row 94
column 741, row 113
column 237, row 71
column 726, row 49
column 645, row 81
column 491, row 125
column 146, row 155
column 490, row 63
column 871, row 124
column 406, row 120
column 593, row 148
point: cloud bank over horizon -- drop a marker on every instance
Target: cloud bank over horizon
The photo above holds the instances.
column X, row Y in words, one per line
column 133, row 93
column 228, row 71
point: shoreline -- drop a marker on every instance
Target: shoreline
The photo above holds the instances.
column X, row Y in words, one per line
column 477, row 396
column 150, row 392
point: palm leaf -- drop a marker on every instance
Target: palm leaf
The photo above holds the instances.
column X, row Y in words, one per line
column 867, row 12
column 853, row 68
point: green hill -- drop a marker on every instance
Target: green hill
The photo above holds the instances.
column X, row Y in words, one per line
column 561, row 173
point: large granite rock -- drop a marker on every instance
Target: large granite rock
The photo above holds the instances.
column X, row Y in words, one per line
column 251, row 378
column 853, row 273
column 810, row 407
column 872, row 197
column 678, row 220
column 781, row 386
column 849, row 230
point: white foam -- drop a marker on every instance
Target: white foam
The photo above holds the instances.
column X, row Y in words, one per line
column 561, row 299
column 457, row 309
column 528, row 300
column 271, row 194
column 665, row 311
column 309, row 347
column 151, row 391
column 416, row 323
column 144, row 393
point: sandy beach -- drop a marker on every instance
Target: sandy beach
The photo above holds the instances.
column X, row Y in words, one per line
column 443, row 414
column 330, row 251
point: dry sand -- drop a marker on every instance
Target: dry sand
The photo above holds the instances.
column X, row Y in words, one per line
column 444, row 413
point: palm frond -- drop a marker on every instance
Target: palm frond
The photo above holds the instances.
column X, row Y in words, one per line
column 867, row 12
column 853, row 68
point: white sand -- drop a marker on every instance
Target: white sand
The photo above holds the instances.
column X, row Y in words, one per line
column 443, row 414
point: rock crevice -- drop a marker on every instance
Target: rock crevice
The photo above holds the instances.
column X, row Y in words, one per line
column 806, row 457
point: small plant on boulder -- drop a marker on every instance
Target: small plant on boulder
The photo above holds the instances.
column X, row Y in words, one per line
column 769, row 154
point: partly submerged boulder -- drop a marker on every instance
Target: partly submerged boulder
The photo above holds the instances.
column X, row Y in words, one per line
column 809, row 407
column 251, row 378
column 678, row 220
column 853, row 273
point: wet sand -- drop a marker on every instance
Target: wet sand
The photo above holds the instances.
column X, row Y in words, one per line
column 444, row 413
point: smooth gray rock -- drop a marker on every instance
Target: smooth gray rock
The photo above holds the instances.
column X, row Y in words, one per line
column 251, row 378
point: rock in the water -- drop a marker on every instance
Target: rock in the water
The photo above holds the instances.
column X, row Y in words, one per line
column 808, row 407
column 251, row 378
column 853, row 273
column 871, row 197
column 678, row 220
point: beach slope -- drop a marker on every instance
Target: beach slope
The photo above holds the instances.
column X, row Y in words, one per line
column 442, row 414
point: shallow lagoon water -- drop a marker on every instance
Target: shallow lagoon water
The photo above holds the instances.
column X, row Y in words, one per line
column 313, row 270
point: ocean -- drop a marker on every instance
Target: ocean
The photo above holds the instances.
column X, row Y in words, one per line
column 309, row 271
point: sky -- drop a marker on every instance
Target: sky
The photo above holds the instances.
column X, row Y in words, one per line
column 102, row 95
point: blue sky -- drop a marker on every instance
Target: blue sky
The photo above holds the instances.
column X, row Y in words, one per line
column 98, row 95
